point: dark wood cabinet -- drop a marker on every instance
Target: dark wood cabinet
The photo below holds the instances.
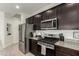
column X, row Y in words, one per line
column 39, row 50
column 66, row 13
column 67, row 16
column 34, row 47
column 37, row 21
column 49, row 14
column 63, row 51
column 30, row 20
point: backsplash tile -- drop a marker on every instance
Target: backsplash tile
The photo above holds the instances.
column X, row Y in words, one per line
column 68, row 34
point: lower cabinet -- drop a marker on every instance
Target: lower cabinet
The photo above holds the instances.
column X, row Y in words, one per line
column 63, row 51
column 34, row 47
column 61, row 54
column 39, row 50
column 59, row 50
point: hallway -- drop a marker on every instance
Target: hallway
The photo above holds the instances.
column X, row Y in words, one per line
column 13, row 51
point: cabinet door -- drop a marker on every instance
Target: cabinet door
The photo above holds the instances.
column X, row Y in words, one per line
column 33, row 46
column 77, row 15
column 30, row 45
column 58, row 53
column 37, row 21
column 49, row 14
column 63, row 51
column 30, row 20
column 68, row 16
column 39, row 50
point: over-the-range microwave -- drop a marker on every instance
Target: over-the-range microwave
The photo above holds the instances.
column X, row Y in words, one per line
column 49, row 24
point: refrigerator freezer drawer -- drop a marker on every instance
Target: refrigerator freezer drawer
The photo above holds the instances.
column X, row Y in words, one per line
column 22, row 47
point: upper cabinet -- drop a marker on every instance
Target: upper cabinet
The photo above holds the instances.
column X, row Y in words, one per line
column 30, row 20
column 67, row 15
column 37, row 21
column 49, row 14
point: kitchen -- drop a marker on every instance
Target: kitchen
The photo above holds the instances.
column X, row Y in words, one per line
column 53, row 32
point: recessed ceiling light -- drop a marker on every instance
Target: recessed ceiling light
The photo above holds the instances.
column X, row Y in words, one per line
column 17, row 7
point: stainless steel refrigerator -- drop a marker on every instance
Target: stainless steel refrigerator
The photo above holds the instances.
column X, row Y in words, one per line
column 24, row 35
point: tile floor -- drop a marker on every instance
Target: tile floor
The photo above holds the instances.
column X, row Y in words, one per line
column 13, row 51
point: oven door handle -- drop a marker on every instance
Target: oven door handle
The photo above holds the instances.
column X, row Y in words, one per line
column 50, row 47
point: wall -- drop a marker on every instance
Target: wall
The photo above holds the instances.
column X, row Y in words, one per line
column 14, row 37
column 2, row 29
column 14, row 21
column 23, row 17
column 16, row 30
column 68, row 34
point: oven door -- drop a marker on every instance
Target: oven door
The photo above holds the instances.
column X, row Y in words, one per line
column 46, row 48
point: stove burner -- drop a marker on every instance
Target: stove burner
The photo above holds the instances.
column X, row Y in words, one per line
column 49, row 40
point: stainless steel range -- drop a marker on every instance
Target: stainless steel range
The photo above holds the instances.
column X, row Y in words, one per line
column 48, row 42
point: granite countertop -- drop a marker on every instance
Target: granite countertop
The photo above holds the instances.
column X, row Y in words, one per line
column 70, row 45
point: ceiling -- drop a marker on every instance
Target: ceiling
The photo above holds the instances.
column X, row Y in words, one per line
column 28, row 8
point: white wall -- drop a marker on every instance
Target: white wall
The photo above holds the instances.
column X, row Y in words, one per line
column 7, row 40
column 14, row 37
column 16, row 30
column 23, row 17
column 2, row 29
